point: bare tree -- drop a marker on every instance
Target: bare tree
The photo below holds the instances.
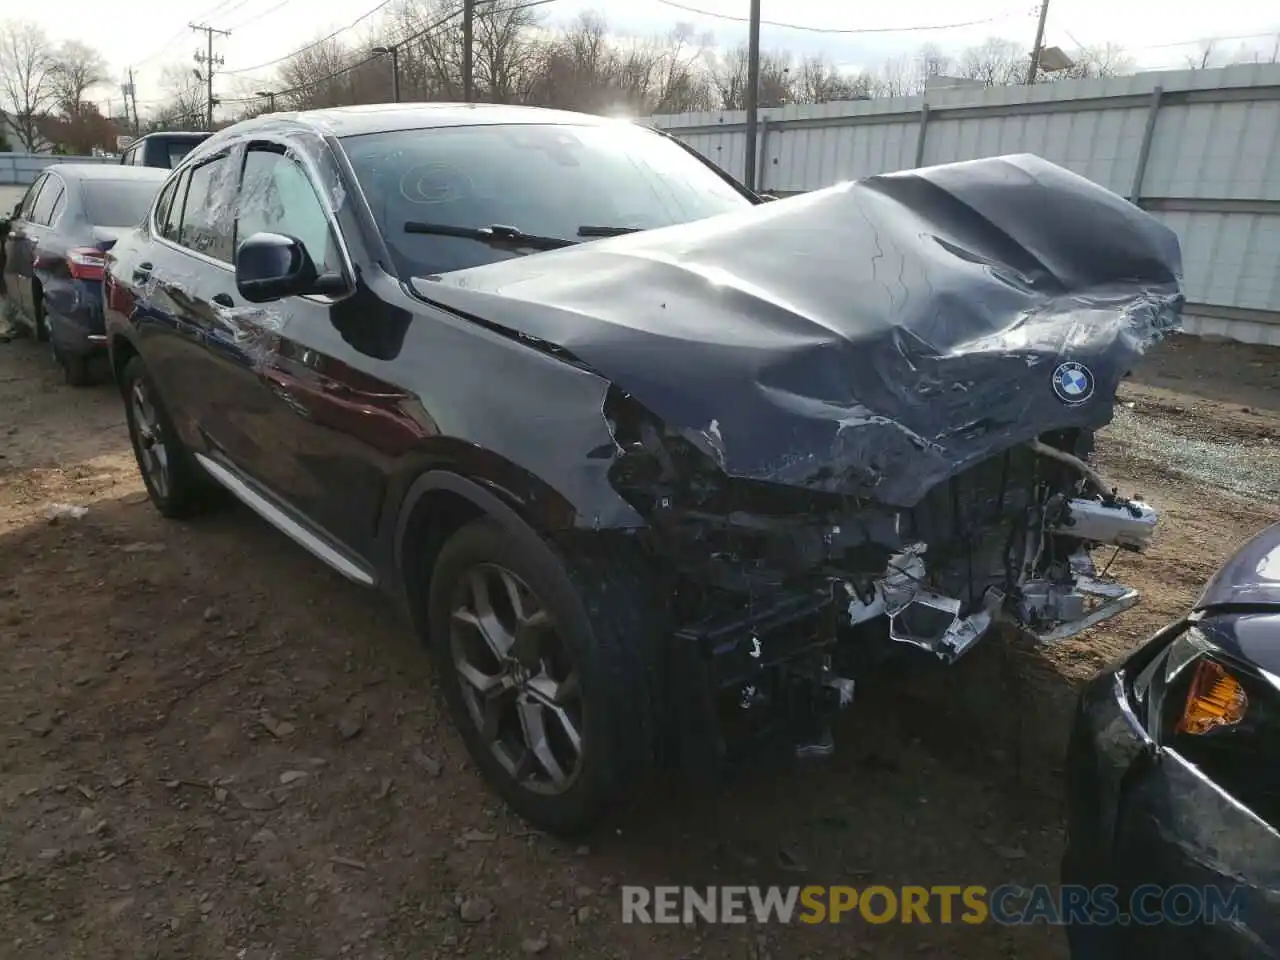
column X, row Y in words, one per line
column 330, row 74
column 896, row 78
column 931, row 61
column 1108, row 60
column 995, row 62
column 818, row 81
column 183, row 107
column 728, row 76
column 76, row 68
column 26, row 67
column 505, row 52
column 1202, row 59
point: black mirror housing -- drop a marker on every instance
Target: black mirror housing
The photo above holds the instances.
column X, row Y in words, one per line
column 271, row 266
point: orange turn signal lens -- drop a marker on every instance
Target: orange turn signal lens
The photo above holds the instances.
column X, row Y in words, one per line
column 1215, row 699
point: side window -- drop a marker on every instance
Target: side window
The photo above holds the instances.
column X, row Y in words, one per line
column 58, row 205
column 29, row 201
column 207, row 216
column 50, row 195
column 173, row 215
column 163, row 203
column 277, row 197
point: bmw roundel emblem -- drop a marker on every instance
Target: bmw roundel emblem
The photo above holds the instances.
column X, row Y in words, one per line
column 1073, row 382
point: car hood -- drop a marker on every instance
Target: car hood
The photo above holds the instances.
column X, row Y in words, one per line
column 1250, row 578
column 872, row 338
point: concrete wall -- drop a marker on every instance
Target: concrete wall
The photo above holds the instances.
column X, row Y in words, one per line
column 1199, row 149
column 21, row 169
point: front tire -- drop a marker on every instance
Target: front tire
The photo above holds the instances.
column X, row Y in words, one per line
column 171, row 475
column 546, row 665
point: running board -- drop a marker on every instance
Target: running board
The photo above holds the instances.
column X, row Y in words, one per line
column 290, row 527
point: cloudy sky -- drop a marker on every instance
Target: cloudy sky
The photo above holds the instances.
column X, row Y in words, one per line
column 154, row 32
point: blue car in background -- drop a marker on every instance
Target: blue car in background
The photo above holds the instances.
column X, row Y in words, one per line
column 54, row 247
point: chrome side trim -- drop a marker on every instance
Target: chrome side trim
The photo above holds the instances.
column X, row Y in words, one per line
column 96, row 338
column 284, row 523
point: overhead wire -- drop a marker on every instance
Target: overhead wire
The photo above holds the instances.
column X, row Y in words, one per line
column 359, row 63
column 918, row 28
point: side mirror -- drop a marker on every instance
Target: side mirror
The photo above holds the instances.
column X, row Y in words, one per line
column 271, row 266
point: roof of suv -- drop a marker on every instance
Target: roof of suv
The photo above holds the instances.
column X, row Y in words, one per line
column 175, row 135
column 107, row 171
column 386, row 117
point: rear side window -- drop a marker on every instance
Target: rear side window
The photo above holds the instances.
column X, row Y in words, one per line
column 163, row 203
column 173, row 215
column 29, row 201
column 58, row 206
column 207, row 216
column 49, row 196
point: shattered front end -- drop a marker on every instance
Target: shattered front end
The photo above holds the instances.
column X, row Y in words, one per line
column 787, row 597
column 860, row 420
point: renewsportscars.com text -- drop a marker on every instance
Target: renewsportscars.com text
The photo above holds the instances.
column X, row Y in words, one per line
column 1009, row 904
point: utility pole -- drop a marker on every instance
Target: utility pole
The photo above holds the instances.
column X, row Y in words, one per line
column 752, row 94
column 1035, row 51
column 133, row 95
column 211, row 63
column 468, row 44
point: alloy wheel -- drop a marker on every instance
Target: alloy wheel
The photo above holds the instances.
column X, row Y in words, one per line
column 518, row 681
column 152, row 452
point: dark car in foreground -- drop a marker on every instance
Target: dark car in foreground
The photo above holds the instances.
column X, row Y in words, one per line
column 1174, row 777
column 54, row 253
column 656, row 468
column 164, row 148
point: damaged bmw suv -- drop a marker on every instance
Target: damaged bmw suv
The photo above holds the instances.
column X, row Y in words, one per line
column 653, row 466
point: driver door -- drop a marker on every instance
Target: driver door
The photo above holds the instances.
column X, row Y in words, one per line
column 18, row 258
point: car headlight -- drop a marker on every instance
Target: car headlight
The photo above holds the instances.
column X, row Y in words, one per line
column 1218, row 713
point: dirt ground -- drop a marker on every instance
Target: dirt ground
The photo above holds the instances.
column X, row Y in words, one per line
column 215, row 747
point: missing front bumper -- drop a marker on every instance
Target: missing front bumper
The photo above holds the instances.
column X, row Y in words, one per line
column 1060, row 602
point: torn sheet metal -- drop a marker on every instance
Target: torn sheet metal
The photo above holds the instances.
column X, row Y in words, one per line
column 873, row 338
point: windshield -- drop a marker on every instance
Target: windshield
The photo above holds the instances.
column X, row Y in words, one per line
column 118, row 203
column 177, row 149
column 549, row 180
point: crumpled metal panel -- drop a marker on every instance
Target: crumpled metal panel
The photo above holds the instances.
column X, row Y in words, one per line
column 874, row 338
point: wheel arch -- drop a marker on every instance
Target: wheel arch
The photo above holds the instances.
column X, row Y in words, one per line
column 438, row 502
column 120, row 350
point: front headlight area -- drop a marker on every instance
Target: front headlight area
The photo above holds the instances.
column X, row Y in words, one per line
column 1217, row 713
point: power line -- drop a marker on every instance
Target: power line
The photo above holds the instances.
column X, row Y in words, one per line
column 798, row 26
column 311, row 46
column 259, row 16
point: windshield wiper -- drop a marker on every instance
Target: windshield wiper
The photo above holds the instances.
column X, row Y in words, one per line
column 498, row 234
column 590, row 231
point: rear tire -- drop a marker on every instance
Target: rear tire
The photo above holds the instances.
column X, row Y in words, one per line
column 174, row 481
column 76, row 370
column 587, row 668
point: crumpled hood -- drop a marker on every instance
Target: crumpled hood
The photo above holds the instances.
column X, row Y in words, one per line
column 872, row 338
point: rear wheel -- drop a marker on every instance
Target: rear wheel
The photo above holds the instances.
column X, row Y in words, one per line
column 545, row 676
column 173, row 479
column 75, row 368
